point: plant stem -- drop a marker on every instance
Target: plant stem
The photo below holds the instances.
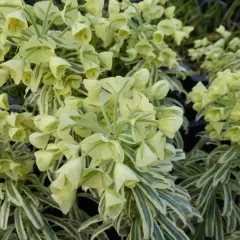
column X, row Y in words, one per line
column 46, row 16
column 33, row 22
column 106, row 119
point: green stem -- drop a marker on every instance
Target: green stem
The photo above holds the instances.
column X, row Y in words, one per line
column 106, row 119
column 82, row 92
column 73, row 8
column 50, row 24
column 46, row 17
column 64, row 31
column 115, row 113
column 20, row 38
column 8, row 87
column 33, row 22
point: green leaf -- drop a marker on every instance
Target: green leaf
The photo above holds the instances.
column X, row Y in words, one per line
column 171, row 230
column 204, row 195
column 219, row 234
column 157, row 233
column 145, row 213
column 228, row 200
column 153, row 197
column 228, row 155
column 207, row 176
column 47, row 200
column 19, row 224
column 90, row 221
column 173, row 204
column 64, row 225
column 48, row 232
column 135, row 232
column 231, row 222
column 4, row 214
column 33, row 215
column 221, row 174
column 101, row 229
column 236, row 212
column 13, row 194
column 30, row 195
column 210, row 219
column 33, row 234
column 7, row 233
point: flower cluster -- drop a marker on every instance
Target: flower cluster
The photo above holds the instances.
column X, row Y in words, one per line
column 222, row 54
column 219, row 102
column 94, row 113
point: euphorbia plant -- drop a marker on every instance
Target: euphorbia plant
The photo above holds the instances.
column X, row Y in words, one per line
column 212, row 178
column 95, row 114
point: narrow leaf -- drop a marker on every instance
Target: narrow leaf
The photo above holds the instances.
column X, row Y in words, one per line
column 145, row 213
column 101, row 229
column 4, row 214
column 19, row 224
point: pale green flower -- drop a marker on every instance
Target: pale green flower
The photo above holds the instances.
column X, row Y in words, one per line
column 160, row 89
column 136, row 103
column 15, row 67
column 17, row 134
column 214, row 114
column 70, row 12
column 114, row 203
column 168, row 26
column 106, row 59
column 235, row 113
column 169, row 151
column 223, row 31
column 58, row 66
column 63, row 193
column 65, row 198
column 169, row 12
column 15, row 23
column 113, row 7
column 118, row 84
column 9, row 8
column 233, row 133
column 46, row 158
column 141, row 78
column 73, row 102
column 124, row 32
column 169, row 120
column 124, row 175
column 46, row 123
column 94, row 88
column 40, row 9
column 145, row 156
column 91, row 69
column 27, row 75
column 100, row 148
column 118, row 21
column 4, row 101
column 143, row 47
column 39, row 140
column 215, row 129
column 95, row 178
column 179, row 36
column 14, row 120
column 81, row 32
column 157, row 143
column 72, row 171
column 94, row 7
column 158, row 36
column 73, row 80
column 37, row 50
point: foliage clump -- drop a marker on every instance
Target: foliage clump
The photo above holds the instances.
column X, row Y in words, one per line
column 95, row 117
